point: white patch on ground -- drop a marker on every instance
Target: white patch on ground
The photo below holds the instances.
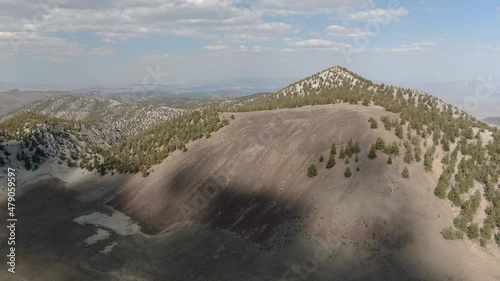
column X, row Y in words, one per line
column 109, row 248
column 99, row 236
column 117, row 222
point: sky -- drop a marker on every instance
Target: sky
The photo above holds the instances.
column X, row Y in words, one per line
column 127, row 42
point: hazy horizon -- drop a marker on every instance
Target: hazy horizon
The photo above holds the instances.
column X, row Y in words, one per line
column 101, row 43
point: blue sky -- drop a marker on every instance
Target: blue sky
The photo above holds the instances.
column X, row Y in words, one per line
column 119, row 42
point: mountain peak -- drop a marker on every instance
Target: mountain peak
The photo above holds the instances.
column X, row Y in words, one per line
column 330, row 78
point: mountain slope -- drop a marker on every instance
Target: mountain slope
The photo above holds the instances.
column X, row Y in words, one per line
column 129, row 119
column 251, row 180
column 391, row 183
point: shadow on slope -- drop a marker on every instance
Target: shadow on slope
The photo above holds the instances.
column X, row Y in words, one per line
column 229, row 247
column 266, row 231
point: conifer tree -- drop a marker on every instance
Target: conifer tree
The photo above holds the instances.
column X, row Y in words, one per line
column 405, row 173
column 312, row 171
column 347, row 172
column 373, row 123
column 372, row 154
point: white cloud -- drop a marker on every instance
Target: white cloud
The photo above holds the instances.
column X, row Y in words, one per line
column 219, row 21
column 103, row 51
column 216, row 48
column 39, row 46
column 347, row 32
column 414, row 47
column 288, row 7
column 379, row 15
column 243, row 48
column 316, row 44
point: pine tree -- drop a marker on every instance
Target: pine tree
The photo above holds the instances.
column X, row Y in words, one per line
column 331, row 163
column 321, row 159
column 342, row 153
column 405, row 173
column 372, row 154
column 389, row 161
column 418, row 153
column 312, row 171
column 408, row 155
column 333, row 150
column 428, row 159
column 399, row 131
column 356, row 148
column 373, row 123
column 473, row 231
column 347, row 172
column 379, row 144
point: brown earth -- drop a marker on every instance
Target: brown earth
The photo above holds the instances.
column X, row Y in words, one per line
column 250, row 179
column 239, row 206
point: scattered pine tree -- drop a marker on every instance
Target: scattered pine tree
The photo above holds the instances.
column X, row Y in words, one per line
column 347, row 172
column 373, row 123
column 312, row 171
column 405, row 173
column 372, row 154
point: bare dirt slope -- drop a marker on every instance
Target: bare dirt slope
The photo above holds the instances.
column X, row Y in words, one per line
column 239, row 206
column 250, row 179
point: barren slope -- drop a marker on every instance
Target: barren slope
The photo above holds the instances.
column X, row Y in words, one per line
column 250, row 179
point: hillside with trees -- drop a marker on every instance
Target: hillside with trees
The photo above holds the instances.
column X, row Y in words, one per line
column 463, row 152
column 434, row 133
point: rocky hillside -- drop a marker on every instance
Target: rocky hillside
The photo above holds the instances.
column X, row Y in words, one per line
column 29, row 140
column 128, row 119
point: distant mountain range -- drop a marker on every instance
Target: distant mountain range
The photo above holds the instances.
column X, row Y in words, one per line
column 479, row 98
column 493, row 120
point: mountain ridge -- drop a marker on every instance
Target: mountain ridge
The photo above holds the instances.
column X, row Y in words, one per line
column 402, row 187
